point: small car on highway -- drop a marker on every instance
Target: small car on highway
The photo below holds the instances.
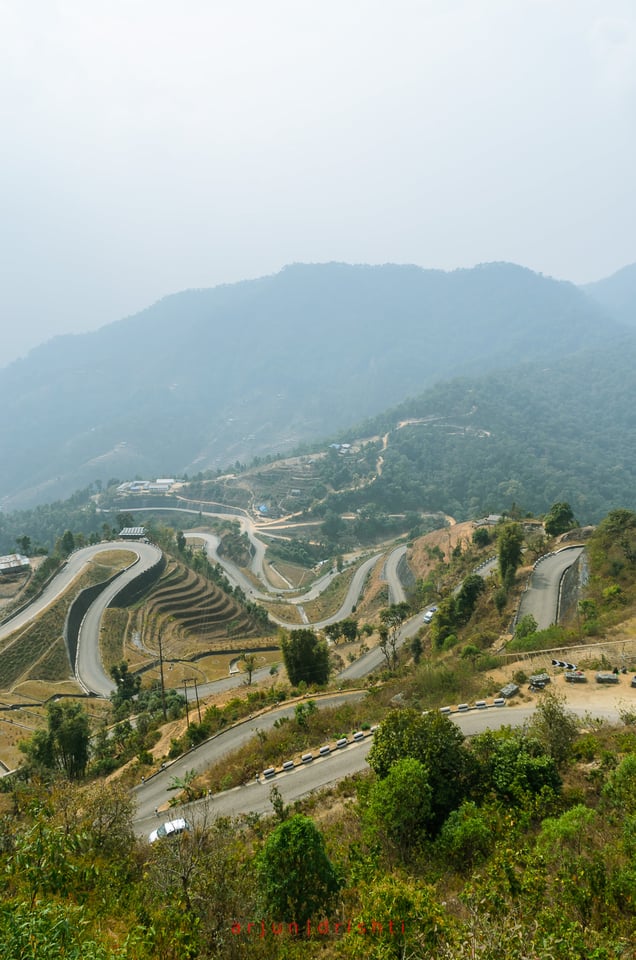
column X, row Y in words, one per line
column 430, row 613
column 171, row 828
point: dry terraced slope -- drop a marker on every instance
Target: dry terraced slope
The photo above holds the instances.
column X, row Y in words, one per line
column 192, row 616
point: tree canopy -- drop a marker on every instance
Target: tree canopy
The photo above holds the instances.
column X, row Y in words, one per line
column 509, row 544
column 64, row 745
column 437, row 743
column 399, row 806
column 559, row 519
column 306, row 657
column 296, row 878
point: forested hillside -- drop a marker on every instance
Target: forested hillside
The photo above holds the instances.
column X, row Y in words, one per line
column 207, row 377
column 518, row 844
column 530, row 436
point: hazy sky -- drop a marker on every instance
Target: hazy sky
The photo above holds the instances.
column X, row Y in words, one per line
column 149, row 146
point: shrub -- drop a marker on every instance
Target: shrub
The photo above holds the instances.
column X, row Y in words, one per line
column 586, row 747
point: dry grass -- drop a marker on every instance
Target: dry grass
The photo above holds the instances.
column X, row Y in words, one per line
column 113, row 627
column 287, row 742
column 23, row 648
column 375, row 597
column 53, row 664
column 13, row 730
column 446, row 540
column 286, row 612
column 331, row 599
column 293, row 574
column 275, row 574
column 217, row 665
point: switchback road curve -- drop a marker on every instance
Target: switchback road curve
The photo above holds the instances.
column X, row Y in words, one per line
column 88, row 667
column 541, row 599
column 303, row 778
column 89, row 670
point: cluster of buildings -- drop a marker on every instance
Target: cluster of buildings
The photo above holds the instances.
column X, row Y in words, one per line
column 162, row 485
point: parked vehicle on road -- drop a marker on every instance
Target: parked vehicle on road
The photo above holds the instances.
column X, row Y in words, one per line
column 171, row 828
column 430, row 613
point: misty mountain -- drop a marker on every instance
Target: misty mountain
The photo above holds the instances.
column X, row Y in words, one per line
column 205, row 377
column 530, row 435
column 617, row 294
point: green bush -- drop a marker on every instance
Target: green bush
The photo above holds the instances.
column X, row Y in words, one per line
column 586, row 747
column 539, row 640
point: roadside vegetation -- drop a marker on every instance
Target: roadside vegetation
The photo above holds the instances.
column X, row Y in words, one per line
column 513, row 844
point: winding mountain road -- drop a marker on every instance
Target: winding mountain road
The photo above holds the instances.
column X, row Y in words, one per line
column 89, row 670
column 541, row 599
column 303, row 778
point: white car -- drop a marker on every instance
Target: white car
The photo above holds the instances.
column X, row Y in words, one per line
column 428, row 616
column 171, row 828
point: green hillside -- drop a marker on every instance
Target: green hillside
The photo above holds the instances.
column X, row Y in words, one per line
column 531, row 435
column 207, row 377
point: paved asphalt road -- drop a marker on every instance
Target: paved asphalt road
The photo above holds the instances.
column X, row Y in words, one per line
column 375, row 659
column 154, row 792
column 303, row 779
column 88, row 666
column 396, row 590
column 237, row 577
column 541, row 599
column 70, row 569
column 147, row 555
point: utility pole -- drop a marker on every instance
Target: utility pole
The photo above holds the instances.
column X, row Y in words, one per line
column 185, row 693
column 163, row 686
column 196, row 693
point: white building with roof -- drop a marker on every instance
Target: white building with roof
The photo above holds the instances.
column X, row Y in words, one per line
column 14, row 563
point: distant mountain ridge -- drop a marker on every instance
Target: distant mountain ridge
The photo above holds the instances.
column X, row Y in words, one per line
column 206, row 377
column 617, row 294
column 531, row 435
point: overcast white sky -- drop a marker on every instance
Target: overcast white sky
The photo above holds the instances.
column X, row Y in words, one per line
column 149, row 146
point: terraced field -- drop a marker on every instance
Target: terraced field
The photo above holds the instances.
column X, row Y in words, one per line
column 192, row 616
